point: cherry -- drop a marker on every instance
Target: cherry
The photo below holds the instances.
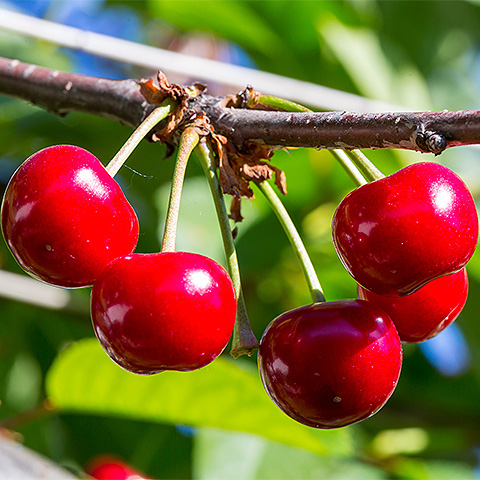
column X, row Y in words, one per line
column 107, row 467
column 64, row 218
column 426, row 312
column 328, row 365
column 397, row 233
column 163, row 311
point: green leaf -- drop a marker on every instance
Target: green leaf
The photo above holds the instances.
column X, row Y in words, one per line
column 372, row 69
column 223, row 395
column 218, row 455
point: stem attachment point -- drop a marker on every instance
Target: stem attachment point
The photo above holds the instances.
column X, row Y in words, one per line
column 138, row 135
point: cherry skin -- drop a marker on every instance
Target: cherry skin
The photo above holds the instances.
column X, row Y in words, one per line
column 64, row 218
column 329, row 365
column 163, row 311
column 426, row 312
column 106, row 467
column 398, row 233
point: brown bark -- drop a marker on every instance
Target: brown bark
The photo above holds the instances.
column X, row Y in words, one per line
column 121, row 101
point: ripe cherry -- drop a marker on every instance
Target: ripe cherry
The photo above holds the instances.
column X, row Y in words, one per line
column 398, row 233
column 107, row 467
column 64, row 217
column 329, row 365
column 426, row 312
column 163, row 311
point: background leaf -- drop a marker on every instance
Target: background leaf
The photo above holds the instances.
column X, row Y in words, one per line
column 222, row 395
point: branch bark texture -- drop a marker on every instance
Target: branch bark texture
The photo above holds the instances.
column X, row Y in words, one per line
column 121, row 101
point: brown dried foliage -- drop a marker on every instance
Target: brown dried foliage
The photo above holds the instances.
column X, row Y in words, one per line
column 238, row 165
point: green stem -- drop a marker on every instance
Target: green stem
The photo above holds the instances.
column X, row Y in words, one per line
column 138, row 135
column 345, row 161
column 188, row 141
column 368, row 169
column 244, row 341
column 279, row 103
column 297, row 244
column 295, row 240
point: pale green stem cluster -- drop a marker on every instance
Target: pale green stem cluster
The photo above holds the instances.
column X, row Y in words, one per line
column 347, row 164
column 366, row 167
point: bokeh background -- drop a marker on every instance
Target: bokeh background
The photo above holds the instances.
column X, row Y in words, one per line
column 422, row 55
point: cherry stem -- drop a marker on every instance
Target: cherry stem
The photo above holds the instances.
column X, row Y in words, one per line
column 138, row 135
column 348, row 165
column 368, row 169
column 188, row 141
column 278, row 103
column 295, row 240
column 244, row 341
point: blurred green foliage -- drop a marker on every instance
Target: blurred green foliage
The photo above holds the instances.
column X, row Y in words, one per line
column 421, row 55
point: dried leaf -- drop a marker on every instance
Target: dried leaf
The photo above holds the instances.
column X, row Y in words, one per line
column 258, row 172
column 235, row 213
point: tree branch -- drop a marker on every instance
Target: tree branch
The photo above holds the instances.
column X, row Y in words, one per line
column 422, row 131
column 121, row 101
column 62, row 92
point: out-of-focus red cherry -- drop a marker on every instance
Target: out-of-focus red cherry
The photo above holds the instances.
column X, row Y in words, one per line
column 108, row 467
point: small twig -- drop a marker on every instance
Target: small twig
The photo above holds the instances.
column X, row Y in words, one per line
column 233, row 76
column 45, row 408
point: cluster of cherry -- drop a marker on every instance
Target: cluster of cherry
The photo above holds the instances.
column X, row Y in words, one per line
column 405, row 239
column 68, row 223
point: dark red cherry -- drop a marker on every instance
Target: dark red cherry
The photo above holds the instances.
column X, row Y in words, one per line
column 106, row 467
column 426, row 312
column 64, row 217
column 163, row 311
column 329, row 365
column 398, row 233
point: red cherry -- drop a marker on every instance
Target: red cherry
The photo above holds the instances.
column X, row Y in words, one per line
column 64, row 218
column 398, row 233
column 106, row 467
column 426, row 312
column 329, row 365
column 163, row 311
